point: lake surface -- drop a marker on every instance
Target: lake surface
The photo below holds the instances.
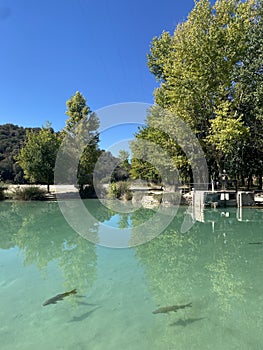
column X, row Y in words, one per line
column 212, row 265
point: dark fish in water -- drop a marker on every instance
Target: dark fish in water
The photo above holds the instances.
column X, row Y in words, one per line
column 255, row 243
column 174, row 308
column 59, row 297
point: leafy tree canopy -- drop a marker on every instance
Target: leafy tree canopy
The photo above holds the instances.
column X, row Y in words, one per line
column 82, row 126
column 210, row 74
column 12, row 138
column 38, row 155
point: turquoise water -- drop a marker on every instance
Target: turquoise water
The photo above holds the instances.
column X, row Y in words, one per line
column 213, row 266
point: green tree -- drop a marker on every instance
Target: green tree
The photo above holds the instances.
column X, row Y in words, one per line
column 103, row 172
column 122, row 170
column 12, row 138
column 124, row 159
column 38, row 155
column 82, row 126
column 154, row 150
column 195, row 69
column 77, row 110
column 227, row 136
column 248, row 94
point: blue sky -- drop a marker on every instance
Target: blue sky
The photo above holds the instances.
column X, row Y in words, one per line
column 51, row 49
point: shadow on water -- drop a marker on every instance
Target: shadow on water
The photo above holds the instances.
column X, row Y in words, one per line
column 84, row 316
column 186, row 322
column 85, row 304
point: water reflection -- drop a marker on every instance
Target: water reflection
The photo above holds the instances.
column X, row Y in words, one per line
column 128, row 226
column 41, row 233
column 210, row 255
column 212, row 266
column 10, row 222
column 226, row 284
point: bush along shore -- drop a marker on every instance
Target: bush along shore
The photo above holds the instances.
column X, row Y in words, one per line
column 24, row 193
column 122, row 190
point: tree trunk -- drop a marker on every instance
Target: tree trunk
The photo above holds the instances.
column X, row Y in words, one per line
column 236, row 184
column 249, row 182
column 260, row 182
column 242, row 180
column 191, row 179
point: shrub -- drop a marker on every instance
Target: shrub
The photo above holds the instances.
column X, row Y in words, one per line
column 87, row 192
column 2, row 191
column 119, row 190
column 2, row 195
column 30, row 193
column 128, row 195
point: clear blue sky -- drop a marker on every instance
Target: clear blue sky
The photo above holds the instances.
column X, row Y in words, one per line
column 51, row 49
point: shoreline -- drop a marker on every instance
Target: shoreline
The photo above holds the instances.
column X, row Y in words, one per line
column 148, row 197
column 54, row 189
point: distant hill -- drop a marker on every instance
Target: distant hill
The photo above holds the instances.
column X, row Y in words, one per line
column 12, row 138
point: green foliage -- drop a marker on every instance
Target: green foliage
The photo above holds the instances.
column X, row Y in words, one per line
column 102, row 171
column 198, row 65
column 248, row 92
column 82, row 126
column 77, row 110
column 112, row 169
column 141, row 169
column 12, row 138
column 38, row 155
column 226, row 132
column 2, row 193
column 156, row 155
column 87, row 192
column 124, row 161
column 120, row 190
column 30, row 193
column 210, row 71
column 160, row 52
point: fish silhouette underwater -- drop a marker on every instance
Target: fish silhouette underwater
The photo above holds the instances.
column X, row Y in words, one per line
column 173, row 308
column 59, row 297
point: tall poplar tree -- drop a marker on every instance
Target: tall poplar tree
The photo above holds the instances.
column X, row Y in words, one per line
column 195, row 68
column 82, row 125
column 248, row 94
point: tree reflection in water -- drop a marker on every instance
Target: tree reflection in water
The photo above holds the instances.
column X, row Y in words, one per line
column 42, row 234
